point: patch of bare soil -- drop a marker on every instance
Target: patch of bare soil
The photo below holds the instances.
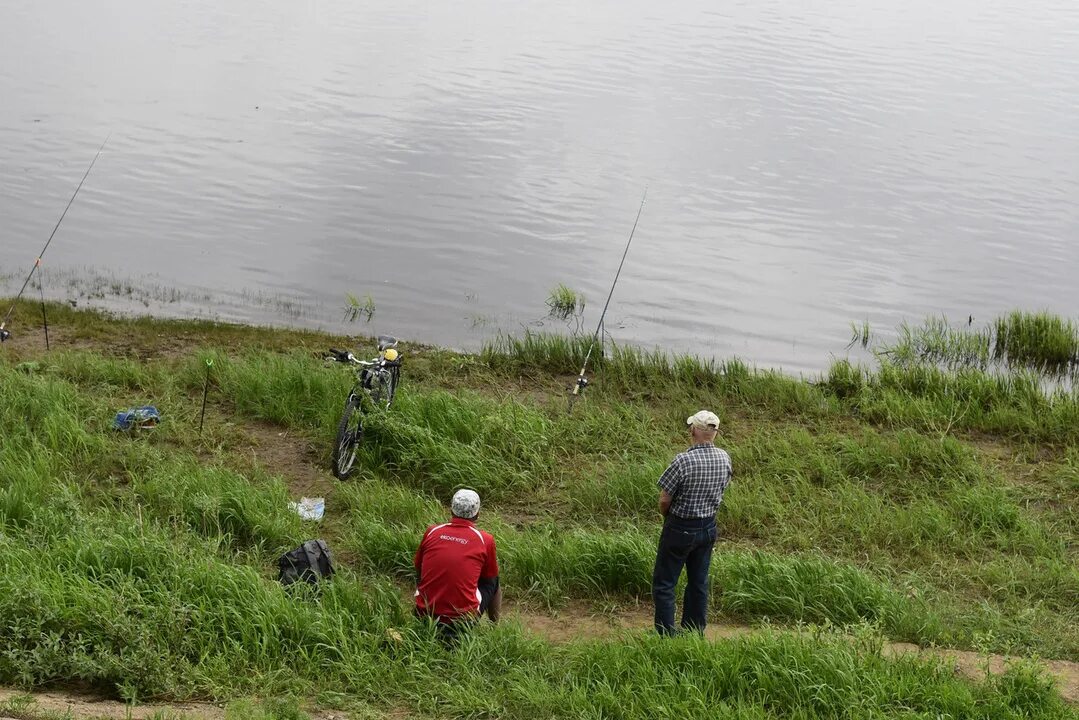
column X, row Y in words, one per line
column 974, row 666
column 290, row 455
column 577, row 620
column 83, row 706
column 29, row 344
column 80, row 706
column 293, row 458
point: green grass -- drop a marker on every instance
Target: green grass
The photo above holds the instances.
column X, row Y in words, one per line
column 901, row 502
column 1045, row 343
column 564, row 303
column 860, row 334
column 935, row 341
column 1040, row 340
column 552, row 563
column 1014, row 406
column 631, row 373
column 356, row 308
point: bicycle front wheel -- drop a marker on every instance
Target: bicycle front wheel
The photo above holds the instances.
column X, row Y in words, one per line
column 383, row 388
column 349, row 435
column 395, row 378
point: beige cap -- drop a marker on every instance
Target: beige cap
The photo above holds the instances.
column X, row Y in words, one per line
column 704, row 420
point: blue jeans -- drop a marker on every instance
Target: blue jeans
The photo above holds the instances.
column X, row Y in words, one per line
column 683, row 542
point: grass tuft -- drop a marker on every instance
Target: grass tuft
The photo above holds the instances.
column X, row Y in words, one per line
column 356, row 308
column 1041, row 341
column 564, row 303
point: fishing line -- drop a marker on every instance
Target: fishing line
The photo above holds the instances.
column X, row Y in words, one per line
column 4, row 334
column 582, row 381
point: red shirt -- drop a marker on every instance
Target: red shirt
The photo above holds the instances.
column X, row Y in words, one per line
column 451, row 560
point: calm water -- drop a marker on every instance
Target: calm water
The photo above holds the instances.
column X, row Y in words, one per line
column 808, row 164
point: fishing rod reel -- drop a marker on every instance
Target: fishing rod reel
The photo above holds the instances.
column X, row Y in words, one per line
column 4, row 334
column 578, row 390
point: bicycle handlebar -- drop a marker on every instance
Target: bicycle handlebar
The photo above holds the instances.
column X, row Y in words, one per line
column 339, row 355
column 347, row 357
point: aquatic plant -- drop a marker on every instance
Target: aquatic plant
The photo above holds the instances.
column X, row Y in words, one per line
column 564, row 303
column 1042, row 341
column 356, row 307
column 860, row 334
column 935, row 341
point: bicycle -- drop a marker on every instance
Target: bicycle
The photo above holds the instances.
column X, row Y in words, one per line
column 376, row 384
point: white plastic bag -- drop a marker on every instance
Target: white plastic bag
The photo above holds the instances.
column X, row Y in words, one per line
column 310, row 508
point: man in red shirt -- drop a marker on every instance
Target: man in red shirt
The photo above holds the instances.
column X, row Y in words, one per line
column 457, row 568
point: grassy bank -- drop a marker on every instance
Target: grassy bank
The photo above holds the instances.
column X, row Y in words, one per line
column 903, row 501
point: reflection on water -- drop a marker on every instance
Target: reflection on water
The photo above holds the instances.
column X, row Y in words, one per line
column 807, row 166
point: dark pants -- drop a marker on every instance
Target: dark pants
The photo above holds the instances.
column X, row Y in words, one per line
column 683, row 542
column 450, row 629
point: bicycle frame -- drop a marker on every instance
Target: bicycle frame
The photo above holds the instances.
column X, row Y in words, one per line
column 371, row 375
column 377, row 378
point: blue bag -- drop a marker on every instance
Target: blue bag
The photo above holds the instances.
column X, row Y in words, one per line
column 144, row 417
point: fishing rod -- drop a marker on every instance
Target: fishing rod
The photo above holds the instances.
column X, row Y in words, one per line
column 582, row 381
column 5, row 334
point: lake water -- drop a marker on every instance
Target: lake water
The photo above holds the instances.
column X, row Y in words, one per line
column 808, row 164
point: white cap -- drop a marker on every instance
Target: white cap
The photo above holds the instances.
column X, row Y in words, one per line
column 465, row 503
column 704, row 420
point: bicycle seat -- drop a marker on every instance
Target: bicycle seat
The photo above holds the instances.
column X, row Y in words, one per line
column 386, row 341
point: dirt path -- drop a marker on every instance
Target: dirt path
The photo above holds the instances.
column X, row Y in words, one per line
column 289, row 455
column 79, row 706
column 19, row 705
column 572, row 623
column 578, row 621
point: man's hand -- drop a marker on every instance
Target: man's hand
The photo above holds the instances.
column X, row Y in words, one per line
column 665, row 501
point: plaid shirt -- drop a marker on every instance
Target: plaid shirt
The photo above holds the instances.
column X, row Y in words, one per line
column 696, row 480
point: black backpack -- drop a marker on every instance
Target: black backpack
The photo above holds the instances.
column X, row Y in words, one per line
column 310, row 563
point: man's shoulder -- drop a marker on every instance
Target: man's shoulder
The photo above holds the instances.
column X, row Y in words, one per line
column 708, row 455
column 434, row 526
column 681, row 457
column 704, row 450
column 724, row 456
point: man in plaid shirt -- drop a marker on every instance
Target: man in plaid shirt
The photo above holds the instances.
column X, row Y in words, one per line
column 690, row 491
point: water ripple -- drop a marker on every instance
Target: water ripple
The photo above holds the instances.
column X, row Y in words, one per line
column 806, row 166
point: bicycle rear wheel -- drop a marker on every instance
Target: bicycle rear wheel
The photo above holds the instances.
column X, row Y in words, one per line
column 349, row 436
